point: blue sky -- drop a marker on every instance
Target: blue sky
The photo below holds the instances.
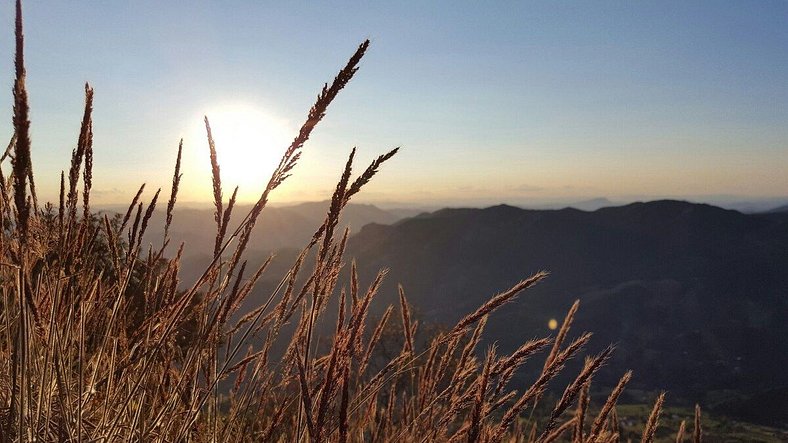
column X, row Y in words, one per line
column 513, row 101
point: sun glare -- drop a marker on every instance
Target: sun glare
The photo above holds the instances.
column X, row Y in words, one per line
column 249, row 143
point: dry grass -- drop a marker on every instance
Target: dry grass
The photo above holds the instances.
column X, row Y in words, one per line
column 98, row 343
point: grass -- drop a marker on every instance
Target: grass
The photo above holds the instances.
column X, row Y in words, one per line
column 715, row 428
column 100, row 345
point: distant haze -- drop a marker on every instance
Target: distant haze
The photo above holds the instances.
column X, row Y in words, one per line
column 409, row 208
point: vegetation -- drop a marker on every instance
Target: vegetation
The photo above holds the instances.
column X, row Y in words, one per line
column 99, row 344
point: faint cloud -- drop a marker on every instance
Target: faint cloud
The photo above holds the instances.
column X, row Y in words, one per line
column 470, row 189
column 476, row 191
column 375, row 194
column 577, row 188
column 528, row 188
column 105, row 193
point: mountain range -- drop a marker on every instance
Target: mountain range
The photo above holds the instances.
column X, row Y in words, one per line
column 695, row 297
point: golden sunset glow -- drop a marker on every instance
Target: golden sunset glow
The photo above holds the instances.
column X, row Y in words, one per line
column 249, row 143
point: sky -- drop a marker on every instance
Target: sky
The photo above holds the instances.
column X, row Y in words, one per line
column 516, row 102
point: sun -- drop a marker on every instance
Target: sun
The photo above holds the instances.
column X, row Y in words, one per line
column 249, row 143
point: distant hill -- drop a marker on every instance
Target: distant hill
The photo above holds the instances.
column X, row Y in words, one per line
column 279, row 228
column 750, row 206
column 694, row 296
column 783, row 208
column 401, row 213
column 592, row 204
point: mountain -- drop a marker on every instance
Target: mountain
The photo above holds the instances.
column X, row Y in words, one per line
column 695, row 297
column 278, row 228
column 592, row 204
column 747, row 206
column 401, row 213
column 783, row 208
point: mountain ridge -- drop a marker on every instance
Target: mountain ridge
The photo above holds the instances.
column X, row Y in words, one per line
column 683, row 288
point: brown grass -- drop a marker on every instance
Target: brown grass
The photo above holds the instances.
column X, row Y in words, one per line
column 99, row 344
column 650, row 430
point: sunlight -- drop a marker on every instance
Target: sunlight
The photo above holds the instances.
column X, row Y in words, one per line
column 249, row 143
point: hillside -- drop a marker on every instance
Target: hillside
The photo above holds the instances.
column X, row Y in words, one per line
column 279, row 228
column 683, row 289
column 293, row 225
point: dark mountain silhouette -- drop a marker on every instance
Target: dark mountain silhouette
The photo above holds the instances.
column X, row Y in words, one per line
column 592, row 204
column 783, row 208
column 694, row 296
